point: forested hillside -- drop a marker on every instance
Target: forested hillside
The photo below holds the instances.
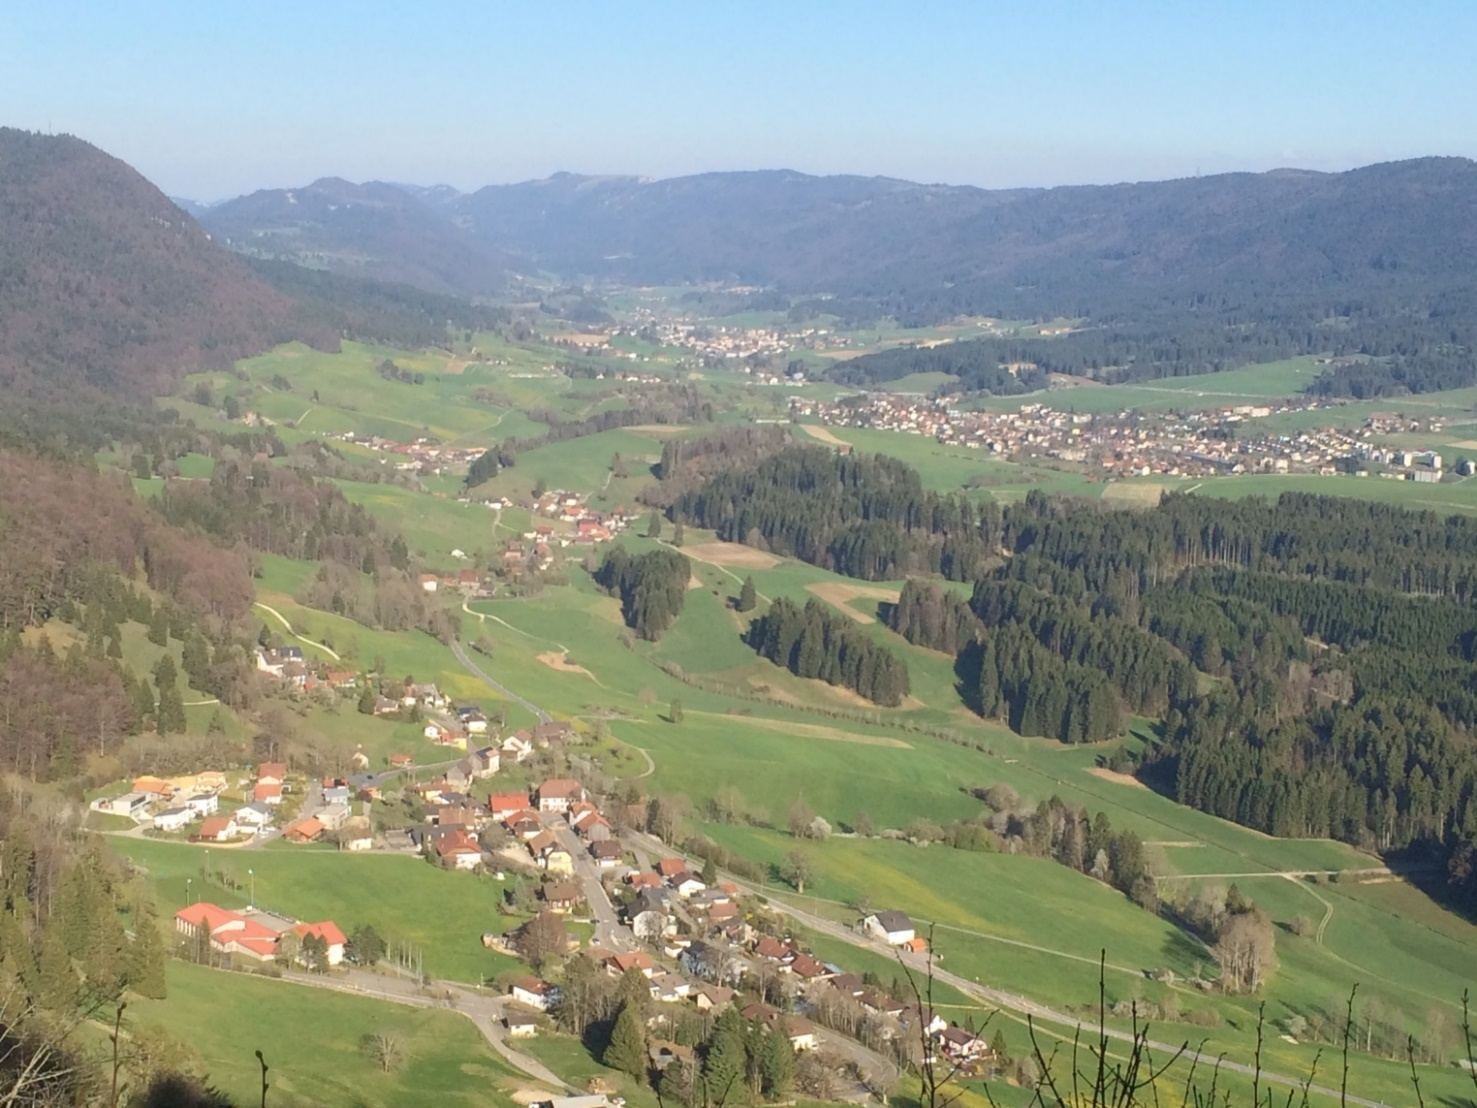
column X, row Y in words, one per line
column 104, row 283
column 372, row 230
column 1314, row 660
column 960, row 249
column 862, row 515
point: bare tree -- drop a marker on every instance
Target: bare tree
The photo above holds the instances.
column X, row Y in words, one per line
column 385, row 1049
column 541, row 940
column 1246, row 951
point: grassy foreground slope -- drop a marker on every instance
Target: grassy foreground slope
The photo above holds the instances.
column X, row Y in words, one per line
column 312, row 1040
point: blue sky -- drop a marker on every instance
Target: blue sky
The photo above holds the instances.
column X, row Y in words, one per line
column 214, row 99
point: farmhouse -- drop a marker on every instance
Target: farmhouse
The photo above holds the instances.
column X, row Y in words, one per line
column 271, row 773
column 219, row 829
column 329, row 933
column 521, row 1022
column 267, row 793
column 607, row 852
column 459, row 850
column 502, row 805
column 893, row 928
column 308, row 830
column 685, row 885
column 558, row 793
column 562, row 896
column 534, row 992
column 356, row 835
column 800, row 1030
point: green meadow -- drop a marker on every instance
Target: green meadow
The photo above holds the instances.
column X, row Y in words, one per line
column 406, row 899
column 1026, row 925
column 312, row 1040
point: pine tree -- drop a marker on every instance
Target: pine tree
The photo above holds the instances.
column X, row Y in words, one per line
column 74, row 910
column 143, row 699
column 144, row 964
column 999, row 1050
column 171, row 719
column 627, row 1048
column 654, row 528
column 105, row 962
column 366, row 699
column 674, row 711
column 57, row 978
column 17, row 959
column 777, row 1063
column 725, row 1061
column 159, row 627
column 748, row 595
column 678, row 533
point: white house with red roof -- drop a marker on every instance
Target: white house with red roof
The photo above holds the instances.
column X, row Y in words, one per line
column 266, row 792
column 328, row 931
column 271, row 773
column 558, row 793
column 502, row 805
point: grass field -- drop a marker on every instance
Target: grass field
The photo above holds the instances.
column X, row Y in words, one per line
column 1024, row 924
column 389, row 892
column 312, row 1039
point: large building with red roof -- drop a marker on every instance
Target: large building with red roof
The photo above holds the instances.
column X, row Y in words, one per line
column 248, row 937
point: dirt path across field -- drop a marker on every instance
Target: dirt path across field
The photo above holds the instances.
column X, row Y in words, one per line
column 560, row 661
column 1117, row 778
column 807, row 730
column 731, row 554
column 839, row 593
column 822, row 434
column 283, row 619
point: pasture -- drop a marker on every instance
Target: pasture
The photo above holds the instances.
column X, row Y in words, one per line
column 312, row 1040
column 388, row 892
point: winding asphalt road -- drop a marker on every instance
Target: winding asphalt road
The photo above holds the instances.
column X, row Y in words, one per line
column 476, row 671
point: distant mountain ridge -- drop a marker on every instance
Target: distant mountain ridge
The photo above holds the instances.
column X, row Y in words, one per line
column 944, row 248
column 378, row 231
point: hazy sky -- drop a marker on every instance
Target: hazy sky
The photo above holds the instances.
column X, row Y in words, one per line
column 213, row 99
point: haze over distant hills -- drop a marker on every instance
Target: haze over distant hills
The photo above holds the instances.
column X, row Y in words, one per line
column 937, row 248
column 384, row 232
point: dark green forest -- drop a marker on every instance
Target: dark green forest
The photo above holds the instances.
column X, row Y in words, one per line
column 1313, row 659
column 815, row 642
column 652, row 587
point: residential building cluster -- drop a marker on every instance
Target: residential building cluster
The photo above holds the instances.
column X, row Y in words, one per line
column 1131, row 443
column 423, row 455
column 697, row 944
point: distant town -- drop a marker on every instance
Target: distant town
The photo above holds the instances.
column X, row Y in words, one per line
column 1141, row 444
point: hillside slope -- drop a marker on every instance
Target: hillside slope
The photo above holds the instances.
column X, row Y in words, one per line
column 105, row 283
column 893, row 239
column 377, row 231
